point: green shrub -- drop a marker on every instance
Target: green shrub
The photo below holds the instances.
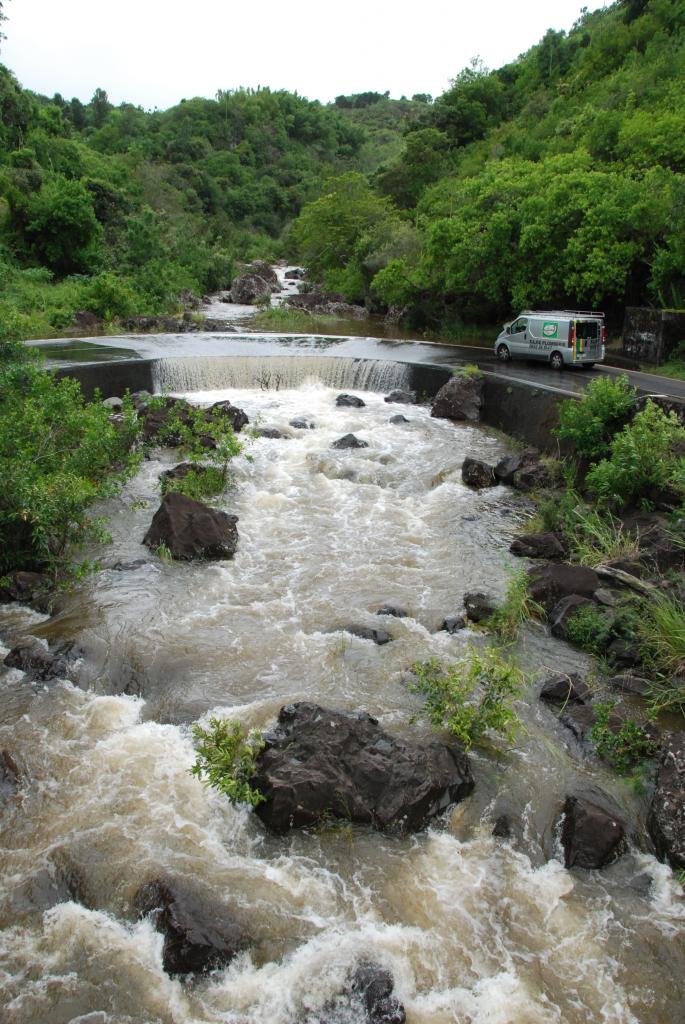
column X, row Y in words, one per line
column 470, row 697
column 110, row 295
column 58, row 454
column 469, row 370
column 517, row 609
column 623, row 747
column 591, row 422
column 643, row 455
column 226, row 759
column 589, row 629
column 201, row 484
column 189, row 428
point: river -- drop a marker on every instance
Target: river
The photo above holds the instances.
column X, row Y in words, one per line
column 473, row 928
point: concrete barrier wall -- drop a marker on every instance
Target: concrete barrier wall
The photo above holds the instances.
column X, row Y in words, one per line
column 518, row 408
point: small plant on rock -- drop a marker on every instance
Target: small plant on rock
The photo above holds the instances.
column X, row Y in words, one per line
column 226, row 759
column 470, row 697
column 588, row 629
column 623, row 747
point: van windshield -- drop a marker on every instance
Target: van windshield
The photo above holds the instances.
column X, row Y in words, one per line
column 587, row 330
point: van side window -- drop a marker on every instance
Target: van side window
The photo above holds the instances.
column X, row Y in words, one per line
column 519, row 325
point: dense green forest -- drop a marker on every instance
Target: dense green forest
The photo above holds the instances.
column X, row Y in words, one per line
column 556, row 179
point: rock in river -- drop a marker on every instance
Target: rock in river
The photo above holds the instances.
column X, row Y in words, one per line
column 477, row 474
column 666, row 819
column 319, row 762
column 461, row 398
column 350, row 402
column 591, row 836
column 349, row 441
column 197, row 937
column 192, row 530
column 549, row 583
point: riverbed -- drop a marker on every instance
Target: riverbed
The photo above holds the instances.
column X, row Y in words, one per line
column 473, row 928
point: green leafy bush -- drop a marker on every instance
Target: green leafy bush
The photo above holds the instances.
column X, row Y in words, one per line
column 623, row 746
column 471, row 696
column 643, row 455
column 201, row 484
column 202, row 437
column 591, row 422
column 58, row 454
column 226, row 759
column 589, row 629
column 662, row 635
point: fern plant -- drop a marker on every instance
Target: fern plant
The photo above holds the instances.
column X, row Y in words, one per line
column 226, row 759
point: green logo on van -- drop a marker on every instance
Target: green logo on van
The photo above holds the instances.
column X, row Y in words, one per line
column 550, row 329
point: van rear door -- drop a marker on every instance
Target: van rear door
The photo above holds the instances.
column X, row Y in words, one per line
column 588, row 340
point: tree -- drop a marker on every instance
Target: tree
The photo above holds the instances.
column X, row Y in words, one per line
column 61, row 228
column 99, row 108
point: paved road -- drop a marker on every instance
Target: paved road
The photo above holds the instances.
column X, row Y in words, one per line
column 567, row 380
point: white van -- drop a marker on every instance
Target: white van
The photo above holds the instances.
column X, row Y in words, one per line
column 566, row 337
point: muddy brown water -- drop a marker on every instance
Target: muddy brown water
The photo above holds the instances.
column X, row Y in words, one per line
column 474, row 929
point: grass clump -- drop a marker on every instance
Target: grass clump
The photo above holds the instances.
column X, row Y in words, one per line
column 624, row 747
column 662, row 636
column 596, row 536
column 470, row 697
column 469, row 370
column 517, row 609
column 226, row 759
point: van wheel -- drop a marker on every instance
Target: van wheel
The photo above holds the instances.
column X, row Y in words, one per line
column 556, row 361
column 503, row 354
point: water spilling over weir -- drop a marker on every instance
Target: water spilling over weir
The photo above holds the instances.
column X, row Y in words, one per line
column 472, row 928
column 277, row 373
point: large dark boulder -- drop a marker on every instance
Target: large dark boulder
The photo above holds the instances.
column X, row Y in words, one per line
column 264, row 270
column 666, row 818
column 319, row 762
column 349, row 441
column 549, row 583
column 33, row 658
column 250, row 288
column 523, row 470
column 461, row 398
column 579, row 720
column 349, row 402
column 591, row 836
column 537, row 545
column 477, row 474
column 25, row 587
column 565, row 689
column 197, row 936
column 192, row 530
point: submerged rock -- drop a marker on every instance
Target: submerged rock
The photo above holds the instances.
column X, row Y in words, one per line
column 392, row 609
column 9, row 776
column 666, row 818
column 453, row 623
column 502, row 827
column 197, row 937
column 192, row 530
column 271, row 432
column 319, row 763
column 477, row 474
column 302, row 423
column 524, row 470
column 397, row 419
column 461, row 398
column 350, row 401
column 591, row 836
column 401, row 396
column 479, row 606
column 349, row 441
column 374, row 985
column 34, row 658
column 379, row 636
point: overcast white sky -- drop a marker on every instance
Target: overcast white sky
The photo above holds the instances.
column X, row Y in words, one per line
column 155, row 52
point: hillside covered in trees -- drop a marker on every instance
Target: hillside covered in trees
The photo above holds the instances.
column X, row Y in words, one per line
column 557, row 179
